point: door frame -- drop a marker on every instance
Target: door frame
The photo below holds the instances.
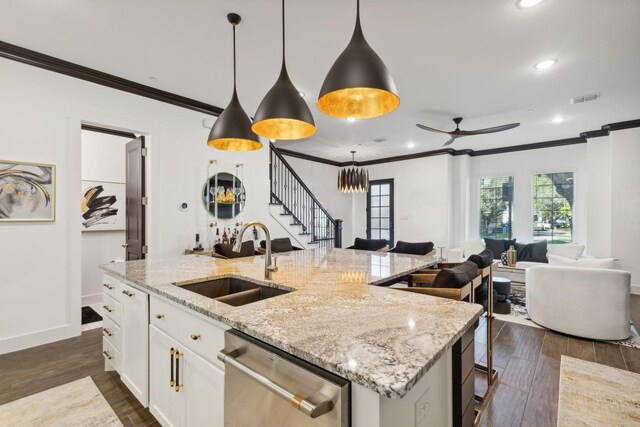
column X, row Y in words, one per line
column 76, row 117
column 392, row 206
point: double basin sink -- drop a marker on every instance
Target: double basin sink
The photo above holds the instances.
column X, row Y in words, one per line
column 233, row 291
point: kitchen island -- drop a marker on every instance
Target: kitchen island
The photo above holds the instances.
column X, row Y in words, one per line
column 386, row 342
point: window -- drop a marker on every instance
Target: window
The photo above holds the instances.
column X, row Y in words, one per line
column 553, row 207
column 496, row 200
column 380, row 210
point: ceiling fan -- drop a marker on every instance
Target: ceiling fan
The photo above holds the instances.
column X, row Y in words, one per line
column 460, row 133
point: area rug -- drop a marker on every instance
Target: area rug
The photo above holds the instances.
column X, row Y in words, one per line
column 78, row 403
column 597, row 395
column 520, row 315
column 89, row 315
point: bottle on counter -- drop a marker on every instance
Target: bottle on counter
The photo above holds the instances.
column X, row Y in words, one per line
column 225, row 236
column 217, row 236
column 255, row 233
column 233, row 237
column 198, row 246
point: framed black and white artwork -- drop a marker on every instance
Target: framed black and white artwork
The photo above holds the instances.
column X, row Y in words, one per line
column 27, row 191
column 103, row 206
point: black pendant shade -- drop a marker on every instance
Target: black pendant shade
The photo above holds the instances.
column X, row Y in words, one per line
column 283, row 114
column 353, row 179
column 232, row 131
column 358, row 84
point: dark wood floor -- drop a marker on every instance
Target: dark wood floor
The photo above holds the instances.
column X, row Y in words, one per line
column 528, row 362
column 527, row 359
column 40, row 368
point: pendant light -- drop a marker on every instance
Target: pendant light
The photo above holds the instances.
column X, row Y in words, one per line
column 283, row 114
column 358, row 85
column 232, row 131
column 353, row 179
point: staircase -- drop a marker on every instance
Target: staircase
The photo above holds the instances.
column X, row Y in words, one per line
column 308, row 221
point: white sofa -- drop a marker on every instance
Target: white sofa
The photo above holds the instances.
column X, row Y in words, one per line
column 585, row 302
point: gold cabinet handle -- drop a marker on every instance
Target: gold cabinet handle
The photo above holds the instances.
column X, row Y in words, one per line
column 178, row 385
column 127, row 293
column 172, row 353
column 195, row 337
column 107, row 332
column 106, row 307
column 108, row 286
column 107, row 355
column 159, row 316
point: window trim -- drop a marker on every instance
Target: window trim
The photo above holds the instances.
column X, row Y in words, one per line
column 479, row 199
column 532, row 185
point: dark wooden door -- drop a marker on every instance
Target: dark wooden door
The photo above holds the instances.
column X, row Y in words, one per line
column 135, row 204
column 380, row 210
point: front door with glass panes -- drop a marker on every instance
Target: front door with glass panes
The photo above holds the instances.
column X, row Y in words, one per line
column 380, row 210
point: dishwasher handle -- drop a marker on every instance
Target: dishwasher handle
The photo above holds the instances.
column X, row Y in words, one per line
column 228, row 356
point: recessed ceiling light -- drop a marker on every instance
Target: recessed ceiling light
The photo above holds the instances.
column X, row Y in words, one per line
column 411, row 144
column 558, row 119
column 547, row 63
column 351, row 119
column 530, row 110
column 302, row 94
column 526, row 4
column 153, row 79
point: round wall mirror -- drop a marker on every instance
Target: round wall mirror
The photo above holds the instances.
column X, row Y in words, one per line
column 223, row 195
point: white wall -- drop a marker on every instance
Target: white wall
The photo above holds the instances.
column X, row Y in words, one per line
column 599, row 197
column 102, row 159
column 422, row 193
column 41, row 262
column 625, row 201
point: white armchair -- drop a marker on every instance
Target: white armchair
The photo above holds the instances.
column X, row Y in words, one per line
column 586, row 302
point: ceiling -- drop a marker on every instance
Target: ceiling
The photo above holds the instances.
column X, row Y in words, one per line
column 449, row 58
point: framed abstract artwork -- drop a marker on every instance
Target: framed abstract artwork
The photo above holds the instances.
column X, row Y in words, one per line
column 27, row 191
column 103, row 206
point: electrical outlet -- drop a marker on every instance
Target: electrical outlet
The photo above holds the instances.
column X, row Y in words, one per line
column 422, row 409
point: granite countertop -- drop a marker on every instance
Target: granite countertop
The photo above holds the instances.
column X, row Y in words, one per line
column 380, row 338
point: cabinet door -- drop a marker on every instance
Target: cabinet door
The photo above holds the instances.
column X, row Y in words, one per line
column 165, row 403
column 134, row 327
column 203, row 386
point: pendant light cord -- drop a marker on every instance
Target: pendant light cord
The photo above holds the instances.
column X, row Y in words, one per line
column 283, row 40
column 234, row 57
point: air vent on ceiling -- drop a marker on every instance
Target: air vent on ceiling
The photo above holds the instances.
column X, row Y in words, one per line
column 585, row 98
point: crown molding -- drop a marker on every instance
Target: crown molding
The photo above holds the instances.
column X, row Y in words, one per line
column 40, row 60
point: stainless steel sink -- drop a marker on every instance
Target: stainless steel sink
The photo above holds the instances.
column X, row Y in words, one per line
column 233, row 291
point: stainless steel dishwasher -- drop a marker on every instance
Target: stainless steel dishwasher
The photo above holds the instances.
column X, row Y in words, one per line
column 264, row 386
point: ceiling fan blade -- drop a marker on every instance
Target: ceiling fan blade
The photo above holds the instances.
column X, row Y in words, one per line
column 430, row 129
column 489, row 130
column 449, row 142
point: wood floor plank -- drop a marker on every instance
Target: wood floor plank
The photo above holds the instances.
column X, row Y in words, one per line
column 506, row 343
column 632, row 358
column 519, row 374
column 505, row 408
column 542, row 404
column 581, row 349
column 609, row 354
column 530, row 344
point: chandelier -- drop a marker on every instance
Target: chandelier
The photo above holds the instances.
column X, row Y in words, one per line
column 353, row 179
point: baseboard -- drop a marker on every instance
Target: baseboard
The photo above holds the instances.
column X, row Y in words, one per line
column 635, row 289
column 21, row 342
column 91, row 299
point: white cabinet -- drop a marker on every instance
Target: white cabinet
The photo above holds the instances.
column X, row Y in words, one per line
column 186, row 390
column 125, row 335
column 134, row 336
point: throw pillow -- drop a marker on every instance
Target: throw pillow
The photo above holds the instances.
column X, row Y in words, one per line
column 567, row 250
column 456, row 277
column 532, row 252
column 421, row 248
column 369, row 244
column 226, row 250
column 503, row 258
column 483, row 259
column 282, row 244
column 497, row 246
